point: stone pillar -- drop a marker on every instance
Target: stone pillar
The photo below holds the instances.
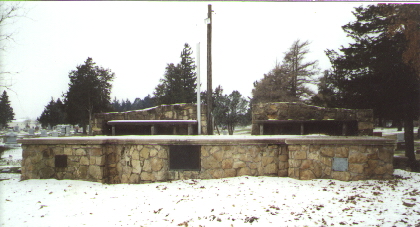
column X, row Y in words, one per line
column 261, row 129
column 190, row 129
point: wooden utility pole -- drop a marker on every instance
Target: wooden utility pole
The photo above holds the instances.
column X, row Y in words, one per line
column 209, row 76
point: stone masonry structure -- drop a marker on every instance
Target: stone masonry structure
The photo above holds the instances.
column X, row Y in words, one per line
column 163, row 112
column 291, row 118
column 140, row 159
column 315, row 159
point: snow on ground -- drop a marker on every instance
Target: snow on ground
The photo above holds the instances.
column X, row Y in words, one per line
column 11, row 157
column 238, row 201
column 391, row 131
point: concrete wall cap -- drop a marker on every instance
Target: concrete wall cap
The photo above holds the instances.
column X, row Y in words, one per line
column 210, row 140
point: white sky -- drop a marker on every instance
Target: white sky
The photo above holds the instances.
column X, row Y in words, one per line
column 137, row 39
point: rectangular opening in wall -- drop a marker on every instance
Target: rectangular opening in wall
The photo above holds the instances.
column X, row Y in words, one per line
column 61, row 161
column 184, row 157
column 340, row 164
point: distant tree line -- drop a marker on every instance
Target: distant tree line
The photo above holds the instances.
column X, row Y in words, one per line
column 137, row 104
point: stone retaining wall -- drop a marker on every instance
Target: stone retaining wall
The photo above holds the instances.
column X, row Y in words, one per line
column 84, row 162
column 138, row 159
column 147, row 163
column 364, row 162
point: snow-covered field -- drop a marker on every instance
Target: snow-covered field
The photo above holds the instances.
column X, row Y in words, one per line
column 238, row 201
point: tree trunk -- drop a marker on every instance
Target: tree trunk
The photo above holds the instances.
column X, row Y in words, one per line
column 90, row 123
column 380, row 122
column 84, row 128
column 418, row 131
column 409, row 144
column 230, row 129
column 217, row 128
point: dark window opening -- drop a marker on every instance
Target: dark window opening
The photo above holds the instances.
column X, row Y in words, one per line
column 328, row 127
column 61, row 161
column 184, row 157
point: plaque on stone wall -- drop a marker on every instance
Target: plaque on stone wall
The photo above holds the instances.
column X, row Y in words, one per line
column 61, row 161
column 184, row 157
column 340, row 164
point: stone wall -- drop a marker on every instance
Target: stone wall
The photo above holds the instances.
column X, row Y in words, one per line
column 313, row 161
column 302, row 112
column 162, row 112
column 146, row 159
column 84, row 162
column 148, row 163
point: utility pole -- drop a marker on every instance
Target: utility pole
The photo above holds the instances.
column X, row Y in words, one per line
column 209, row 76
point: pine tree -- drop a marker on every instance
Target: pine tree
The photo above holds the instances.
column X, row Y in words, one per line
column 116, row 105
column 188, row 75
column 6, row 110
column 179, row 82
column 273, row 87
column 89, row 92
column 300, row 72
column 372, row 73
column 287, row 82
column 53, row 114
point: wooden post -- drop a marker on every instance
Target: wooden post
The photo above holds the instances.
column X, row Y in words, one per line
column 190, row 129
column 153, row 130
column 209, row 75
column 344, row 128
column 302, row 128
column 261, row 129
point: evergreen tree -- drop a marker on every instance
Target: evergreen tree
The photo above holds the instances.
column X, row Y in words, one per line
column 328, row 95
column 287, row 82
column 126, row 105
column 179, row 82
column 116, row 105
column 188, row 76
column 147, row 102
column 372, row 74
column 6, row 110
column 53, row 114
column 89, row 92
column 300, row 73
column 273, row 87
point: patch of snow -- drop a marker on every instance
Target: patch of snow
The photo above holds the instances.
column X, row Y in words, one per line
column 238, row 201
column 11, row 157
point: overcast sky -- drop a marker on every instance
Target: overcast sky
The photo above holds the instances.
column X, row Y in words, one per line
column 137, row 39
